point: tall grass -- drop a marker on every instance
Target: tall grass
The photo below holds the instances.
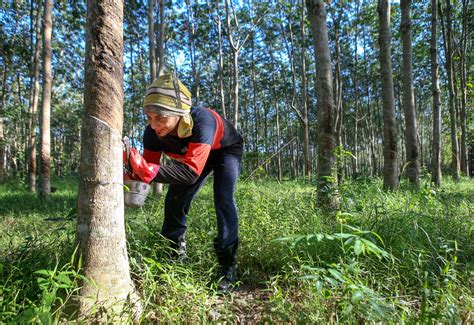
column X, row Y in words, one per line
column 404, row 256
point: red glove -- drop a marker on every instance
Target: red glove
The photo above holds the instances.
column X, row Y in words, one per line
column 145, row 171
column 128, row 173
column 127, row 176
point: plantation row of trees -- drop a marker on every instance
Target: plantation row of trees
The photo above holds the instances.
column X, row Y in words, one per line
column 255, row 63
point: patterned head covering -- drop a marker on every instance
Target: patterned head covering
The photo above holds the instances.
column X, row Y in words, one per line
column 167, row 96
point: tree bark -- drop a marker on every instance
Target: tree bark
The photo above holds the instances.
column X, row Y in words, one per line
column 390, row 151
column 304, row 97
column 355, row 148
column 235, row 87
column 235, row 46
column 221, row 61
column 45, row 171
column 158, row 187
column 327, row 185
column 338, row 95
column 161, row 38
column 455, row 166
column 191, row 28
column 100, row 231
column 3, row 147
column 436, row 149
column 411, row 140
column 34, row 103
column 151, row 39
column 462, row 67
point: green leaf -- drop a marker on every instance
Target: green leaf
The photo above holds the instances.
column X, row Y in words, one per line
column 330, row 280
column 357, row 296
column 319, row 285
column 349, row 241
column 63, row 278
column 47, row 273
column 308, row 277
column 358, row 247
column 48, row 298
column 337, row 275
column 343, row 235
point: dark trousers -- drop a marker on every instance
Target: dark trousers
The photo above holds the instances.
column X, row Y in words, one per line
column 226, row 167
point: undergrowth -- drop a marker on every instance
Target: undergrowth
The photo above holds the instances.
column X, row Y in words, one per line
column 403, row 256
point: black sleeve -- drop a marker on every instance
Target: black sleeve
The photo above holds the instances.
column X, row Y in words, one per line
column 177, row 173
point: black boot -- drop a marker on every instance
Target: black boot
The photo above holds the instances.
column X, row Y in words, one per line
column 178, row 247
column 227, row 267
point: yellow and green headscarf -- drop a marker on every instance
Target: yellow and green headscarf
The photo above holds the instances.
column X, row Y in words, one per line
column 169, row 97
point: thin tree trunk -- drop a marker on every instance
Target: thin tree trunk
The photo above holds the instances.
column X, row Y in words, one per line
column 45, row 171
column 338, row 95
column 100, row 230
column 235, row 88
column 158, row 187
column 370, row 123
column 254, row 104
column 462, row 72
column 192, row 50
column 390, row 152
column 355, row 149
column 304, row 97
column 327, row 185
column 161, row 38
column 3, row 147
column 436, row 150
column 34, row 103
column 151, row 39
column 455, row 166
column 235, row 49
column 411, row 143
column 23, row 134
column 221, row 62
column 278, row 141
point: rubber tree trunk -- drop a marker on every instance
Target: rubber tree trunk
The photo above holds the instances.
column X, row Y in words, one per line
column 327, row 185
column 154, row 73
column 45, row 170
column 221, row 61
column 3, row 147
column 304, row 97
column 235, row 87
column 151, row 39
column 100, row 231
column 436, row 145
column 390, row 150
column 463, row 74
column 455, row 166
column 235, row 47
column 34, row 104
column 338, row 94
column 355, row 148
column 411, row 140
column 192, row 31
column 161, row 38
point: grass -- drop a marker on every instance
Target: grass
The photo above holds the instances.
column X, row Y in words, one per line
column 404, row 256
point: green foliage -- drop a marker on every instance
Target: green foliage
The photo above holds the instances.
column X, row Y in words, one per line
column 404, row 256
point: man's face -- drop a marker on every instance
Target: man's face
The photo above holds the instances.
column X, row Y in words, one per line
column 163, row 125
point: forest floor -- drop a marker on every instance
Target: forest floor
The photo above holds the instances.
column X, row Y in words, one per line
column 404, row 256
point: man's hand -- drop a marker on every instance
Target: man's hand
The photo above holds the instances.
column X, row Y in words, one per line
column 145, row 171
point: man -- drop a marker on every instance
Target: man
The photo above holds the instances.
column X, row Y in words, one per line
column 200, row 142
